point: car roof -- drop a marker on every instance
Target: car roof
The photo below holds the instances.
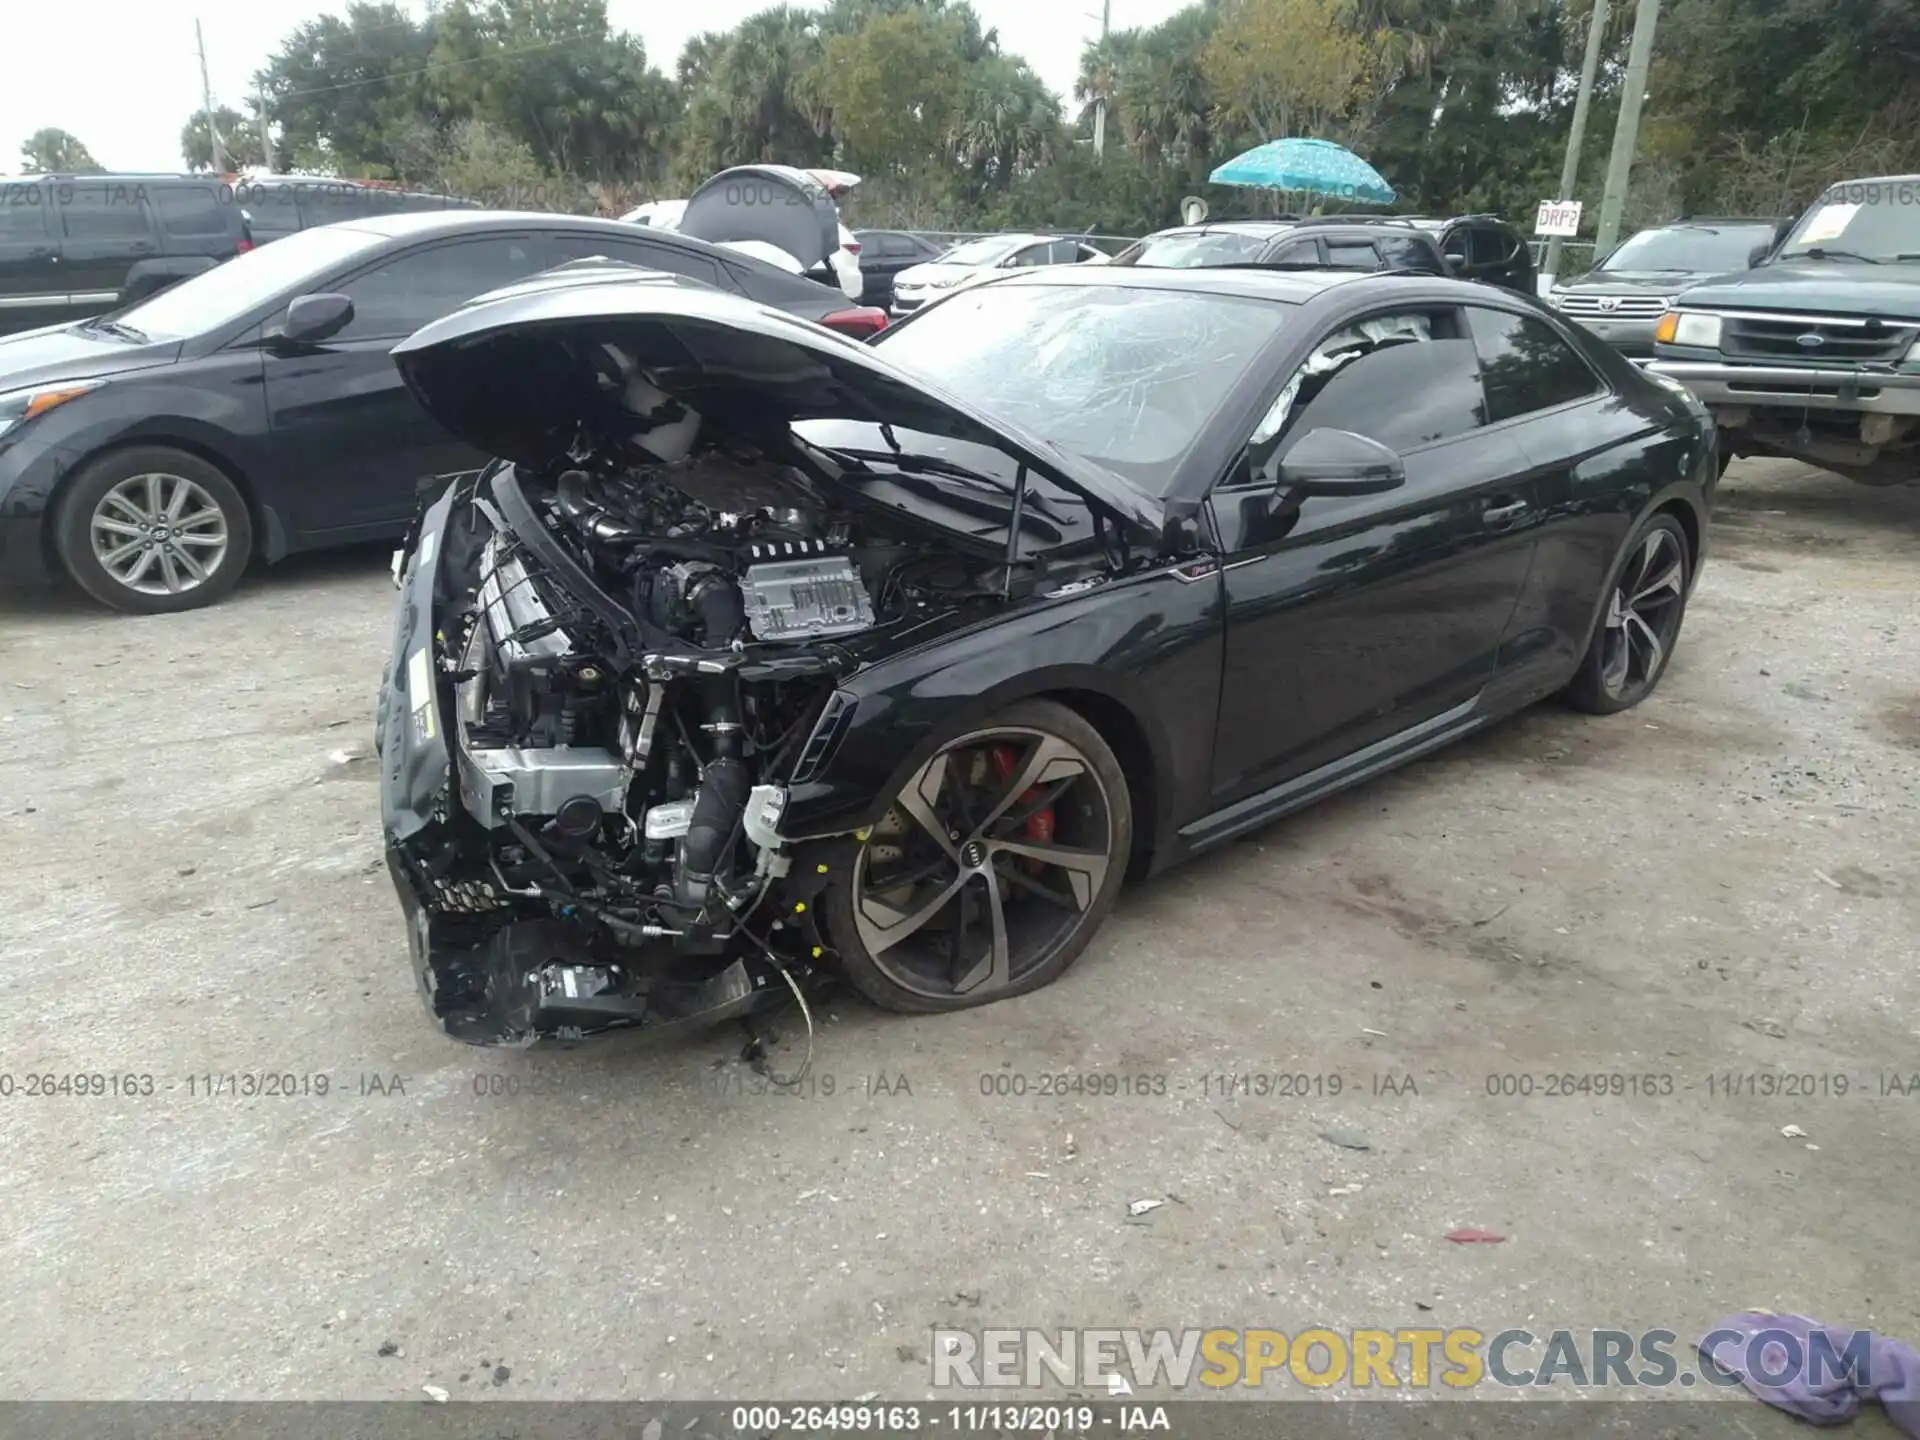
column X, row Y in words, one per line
column 1292, row 287
column 130, row 178
column 1690, row 222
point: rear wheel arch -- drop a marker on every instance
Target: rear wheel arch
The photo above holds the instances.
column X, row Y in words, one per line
column 1690, row 522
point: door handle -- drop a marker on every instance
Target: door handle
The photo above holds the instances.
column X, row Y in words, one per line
column 1506, row 510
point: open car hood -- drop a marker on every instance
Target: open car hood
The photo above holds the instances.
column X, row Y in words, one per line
column 515, row 376
column 773, row 205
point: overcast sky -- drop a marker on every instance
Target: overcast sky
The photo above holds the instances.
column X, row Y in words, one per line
column 127, row 77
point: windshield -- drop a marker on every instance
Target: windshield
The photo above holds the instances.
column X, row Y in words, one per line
column 1851, row 221
column 980, row 252
column 227, row 292
column 1193, row 251
column 1125, row 377
column 1696, row 248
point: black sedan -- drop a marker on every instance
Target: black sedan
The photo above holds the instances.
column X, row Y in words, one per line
column 253, row 411
column 760, row 653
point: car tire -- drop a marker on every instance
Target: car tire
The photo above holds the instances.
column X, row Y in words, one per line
column 1045, row 784
column 179, row 566
column 1646, row 601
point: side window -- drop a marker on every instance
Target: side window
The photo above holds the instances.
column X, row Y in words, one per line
column 23, row 217
column 325, row 204
column 189, row 211
column 1033, row 255
column 897, row 247
column 1524, row 365
column 1487, row 248
column 102, row 213
column 1352, row 255
column 1403, row 252
column 1296, row 252
column 1453, row 244
column 396, row 299
column 670, row 258
column 1405, row 380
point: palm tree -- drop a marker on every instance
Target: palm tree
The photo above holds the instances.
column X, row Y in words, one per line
column 762, row 77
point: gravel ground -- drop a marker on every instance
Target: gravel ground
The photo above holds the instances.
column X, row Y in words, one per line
column 1720, row 884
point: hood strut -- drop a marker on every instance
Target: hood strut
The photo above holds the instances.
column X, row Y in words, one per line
column 1013, row 528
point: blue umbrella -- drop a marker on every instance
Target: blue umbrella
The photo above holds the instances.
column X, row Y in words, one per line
column 1318, row 167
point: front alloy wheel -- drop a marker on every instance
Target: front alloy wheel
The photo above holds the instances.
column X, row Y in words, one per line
column 1641, row 625
column 153, row 529
column 991, row 870
column 159, row 534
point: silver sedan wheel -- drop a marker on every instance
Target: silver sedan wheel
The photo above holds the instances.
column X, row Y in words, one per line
column 987, row 863
column 159, row 534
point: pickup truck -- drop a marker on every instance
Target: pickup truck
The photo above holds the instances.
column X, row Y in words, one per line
column 1814, row 354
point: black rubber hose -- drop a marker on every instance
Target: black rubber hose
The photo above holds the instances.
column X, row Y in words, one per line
column 722, row 612
column 717, row 810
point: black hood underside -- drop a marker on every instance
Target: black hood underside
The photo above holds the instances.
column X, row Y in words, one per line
column 527, row 377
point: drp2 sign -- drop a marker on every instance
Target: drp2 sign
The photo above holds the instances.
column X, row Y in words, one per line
column 1557, row 217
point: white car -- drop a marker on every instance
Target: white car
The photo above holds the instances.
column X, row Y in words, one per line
column 972, row 261
column 843, row 262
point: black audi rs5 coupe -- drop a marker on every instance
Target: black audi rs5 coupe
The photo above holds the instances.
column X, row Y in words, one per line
column 759, row 655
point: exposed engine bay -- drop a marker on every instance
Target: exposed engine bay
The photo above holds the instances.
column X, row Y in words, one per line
column 648, row 640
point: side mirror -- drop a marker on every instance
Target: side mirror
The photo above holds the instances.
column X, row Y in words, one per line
column 313, row 318
column 1758, row 254
column 1456, row 264
column 1329, row 463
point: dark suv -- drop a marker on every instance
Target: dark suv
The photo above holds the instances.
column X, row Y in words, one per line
column 1477, row 247
column 1286, row 243
column 282, row 205
column 73, row 246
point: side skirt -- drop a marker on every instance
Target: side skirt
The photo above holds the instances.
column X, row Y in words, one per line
column 1295, row 794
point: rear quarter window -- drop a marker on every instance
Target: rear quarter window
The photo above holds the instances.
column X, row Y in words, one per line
column 192, row 211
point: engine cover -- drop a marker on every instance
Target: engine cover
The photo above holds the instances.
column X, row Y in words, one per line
column 805, row 599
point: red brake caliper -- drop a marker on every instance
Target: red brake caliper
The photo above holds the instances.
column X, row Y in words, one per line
column 1039, row 826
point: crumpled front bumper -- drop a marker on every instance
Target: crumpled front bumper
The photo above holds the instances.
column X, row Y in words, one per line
column 1719, row 383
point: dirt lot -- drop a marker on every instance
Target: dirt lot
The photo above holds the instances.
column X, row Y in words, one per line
column 1720, row 884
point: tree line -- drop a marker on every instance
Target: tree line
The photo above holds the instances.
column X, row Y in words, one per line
column 1464, row 105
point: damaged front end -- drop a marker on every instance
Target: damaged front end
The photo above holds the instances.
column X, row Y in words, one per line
column 585, row 746
column 618, row 646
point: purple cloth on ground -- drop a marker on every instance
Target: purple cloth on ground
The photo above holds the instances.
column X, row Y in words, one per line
column 1809, row 1377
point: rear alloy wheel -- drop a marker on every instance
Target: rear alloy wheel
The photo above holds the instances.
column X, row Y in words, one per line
column 154, row 530
column 991, row 870
column 1636, row 636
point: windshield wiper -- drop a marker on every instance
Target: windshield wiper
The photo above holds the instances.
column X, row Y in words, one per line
column 1821, row 252
column 100, row 325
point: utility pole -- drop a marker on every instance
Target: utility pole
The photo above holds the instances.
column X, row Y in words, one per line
column 1626, row 134
column 1576, row 137
column 221, row 163
column 1100, row 103
column 266, row 135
